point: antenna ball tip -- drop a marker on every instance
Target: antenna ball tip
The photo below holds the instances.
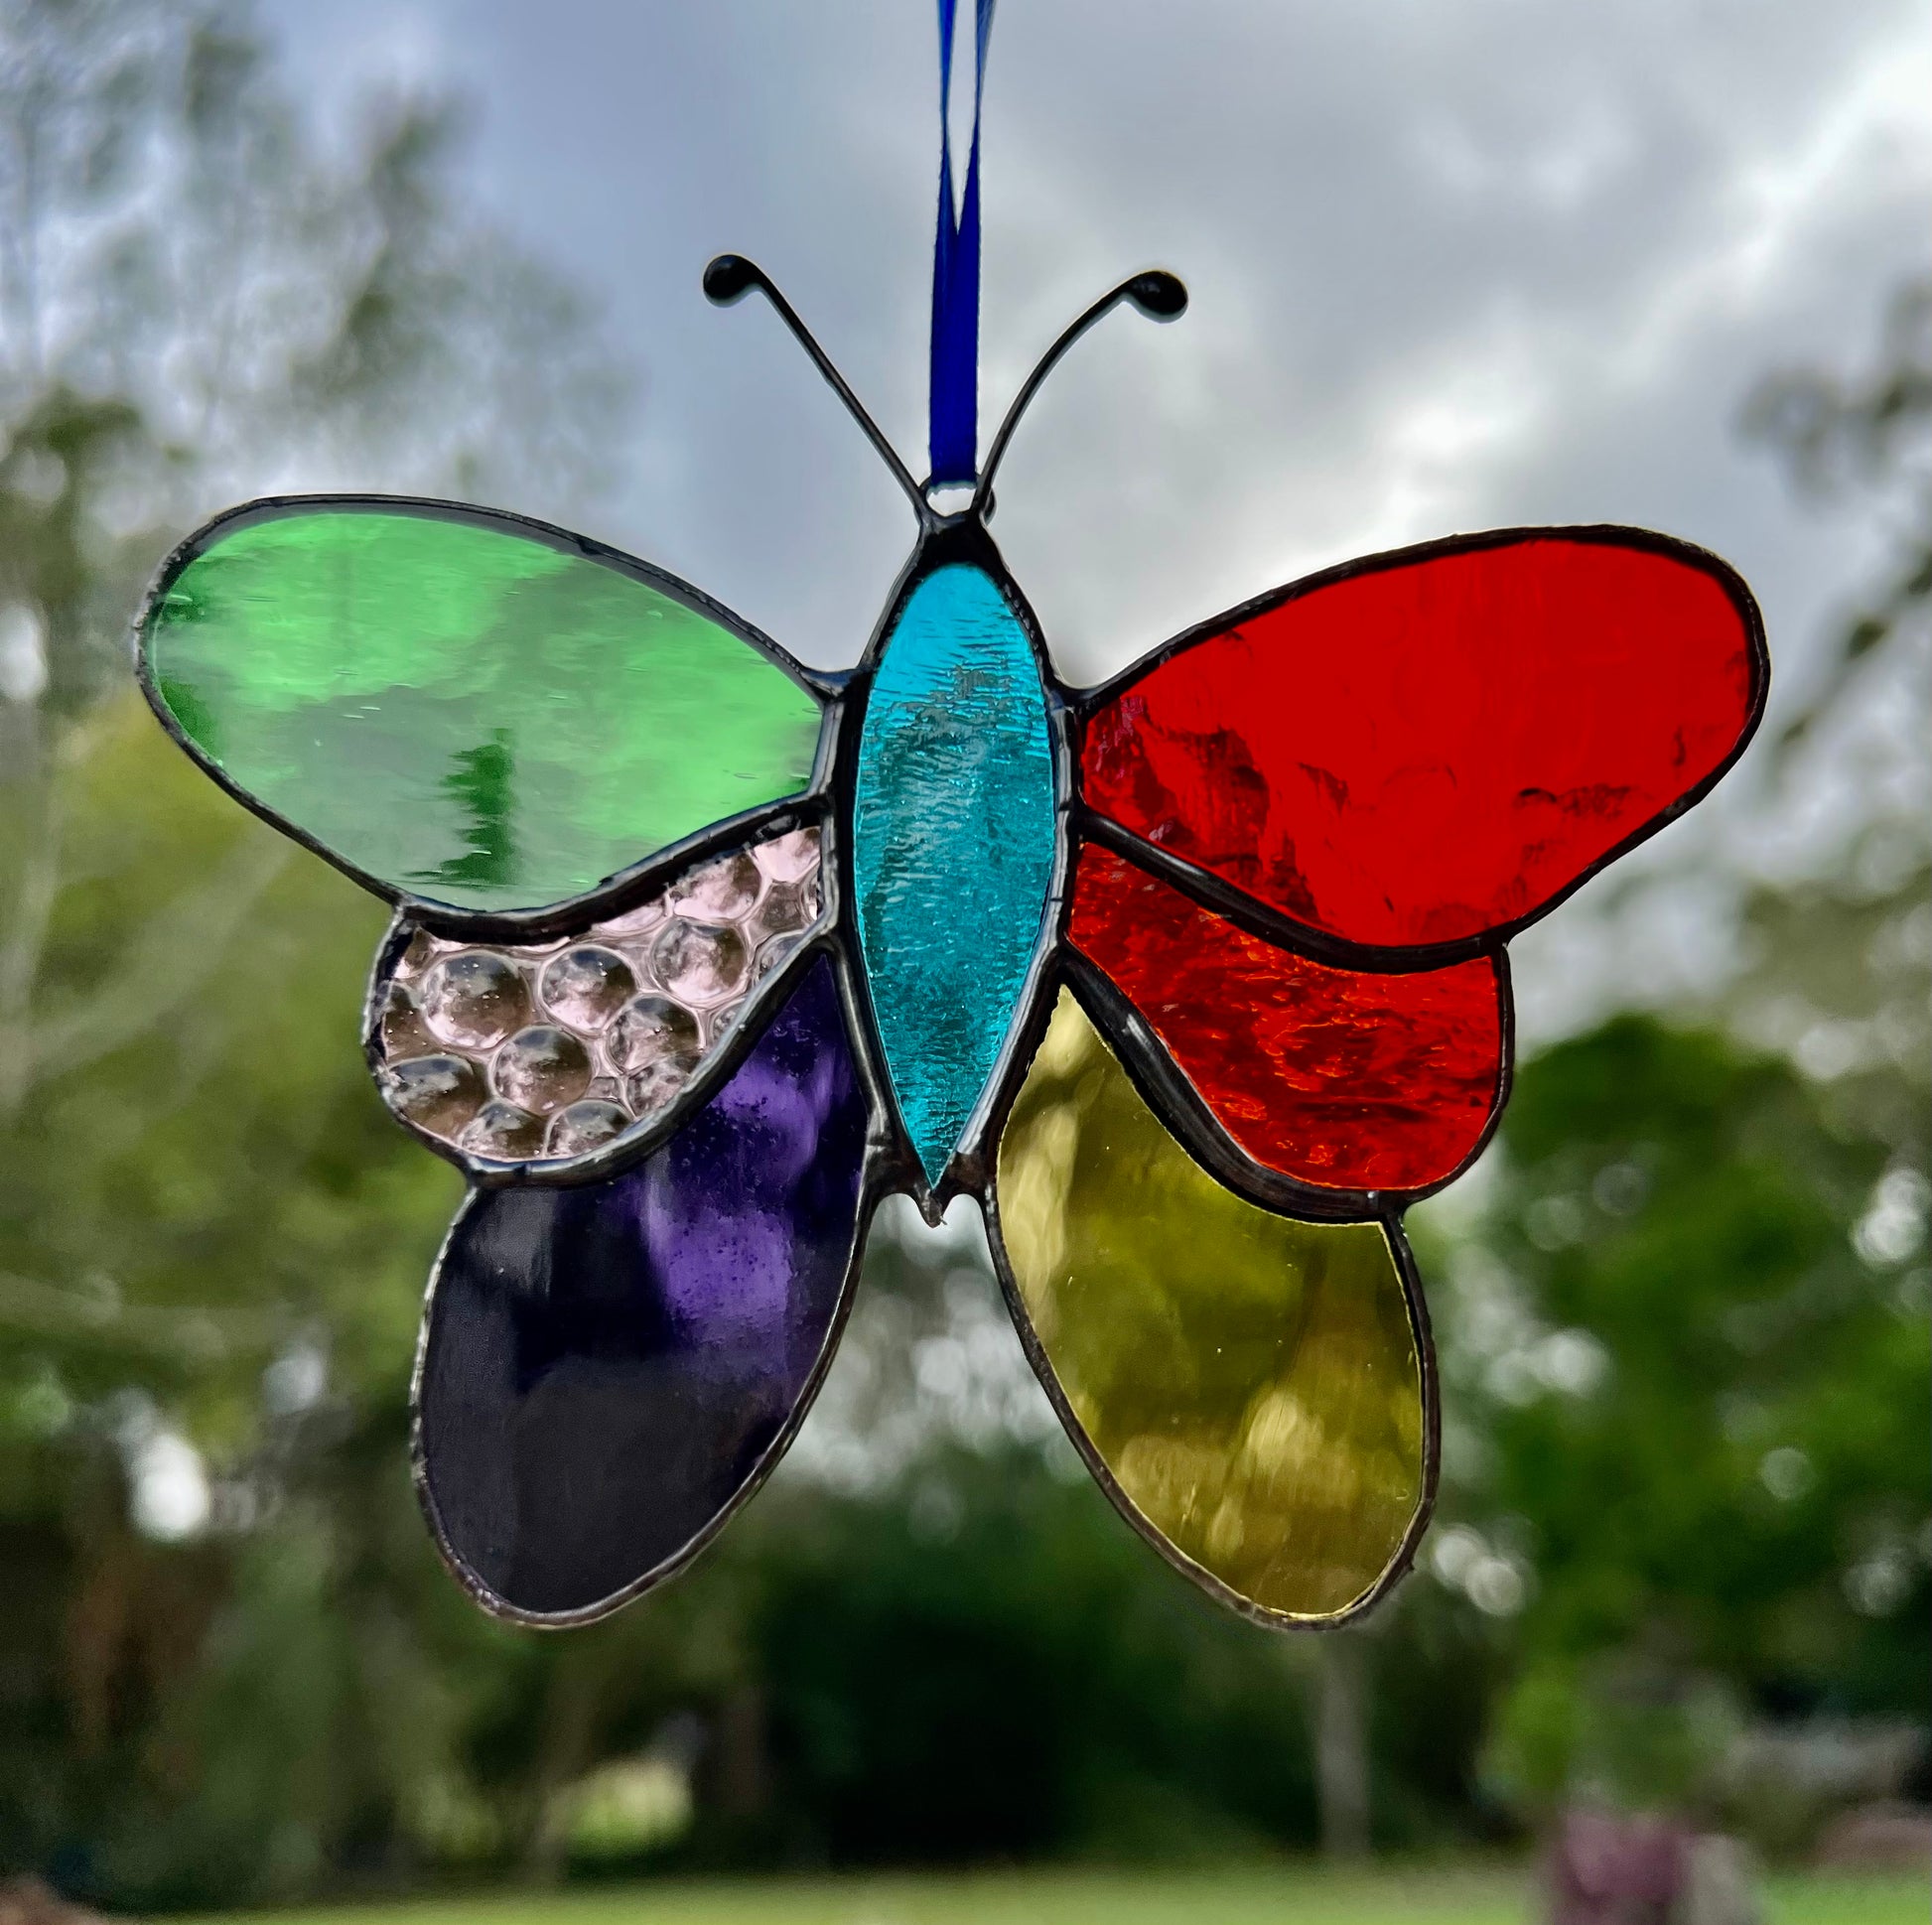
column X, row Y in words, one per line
column 1159, row 295
column 729, row 278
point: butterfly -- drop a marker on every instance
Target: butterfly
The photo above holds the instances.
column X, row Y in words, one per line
column 1194, row 981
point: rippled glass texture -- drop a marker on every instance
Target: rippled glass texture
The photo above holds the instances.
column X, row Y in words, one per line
column 954, row 833
column 1343, row 1078
column 466, row 712
column 606, row 1365
column 1252, row 1382
column 542, row 1051
column 1431, row 748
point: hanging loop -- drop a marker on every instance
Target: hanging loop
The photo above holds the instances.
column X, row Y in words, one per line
column 953, row 410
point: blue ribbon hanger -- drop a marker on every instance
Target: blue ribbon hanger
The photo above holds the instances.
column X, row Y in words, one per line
column 953, row 416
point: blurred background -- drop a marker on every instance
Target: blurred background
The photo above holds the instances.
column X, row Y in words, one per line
column 1451, row 266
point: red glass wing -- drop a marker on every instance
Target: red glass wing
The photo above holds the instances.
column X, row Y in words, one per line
column 1441, row 743
column 1342, row 1077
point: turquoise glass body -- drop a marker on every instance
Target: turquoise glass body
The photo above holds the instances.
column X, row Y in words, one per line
column 957, row 780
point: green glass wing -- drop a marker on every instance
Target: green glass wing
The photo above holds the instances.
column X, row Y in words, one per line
column 462, row 707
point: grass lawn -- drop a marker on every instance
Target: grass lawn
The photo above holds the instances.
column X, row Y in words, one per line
column 1281, row 1895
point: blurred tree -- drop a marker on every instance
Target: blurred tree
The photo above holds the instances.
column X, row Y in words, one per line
column 1686, row 1361
column 1682, row 1312
column 994, row 1666
column 1686, row 1336
column 952, row 1648
column 1842, row 959
column 230, row 1665
column 1663, row 1512
column 944, row 1642
column 1870, row 434
column 1656, row 1324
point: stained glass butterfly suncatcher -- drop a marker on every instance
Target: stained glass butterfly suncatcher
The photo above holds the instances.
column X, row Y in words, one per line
column 1195, row 981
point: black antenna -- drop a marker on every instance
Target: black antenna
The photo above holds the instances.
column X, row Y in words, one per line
column 1156, row 294
column 729, row 278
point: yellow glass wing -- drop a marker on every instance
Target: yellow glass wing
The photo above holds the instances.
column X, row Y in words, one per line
column 1254, row 1386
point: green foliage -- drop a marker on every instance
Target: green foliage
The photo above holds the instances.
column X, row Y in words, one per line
column 233, row 1667
column 1660, row 1311
column 992, row 1665
column 1661, row 1292
column 1683, row 1327
column 209, row 1233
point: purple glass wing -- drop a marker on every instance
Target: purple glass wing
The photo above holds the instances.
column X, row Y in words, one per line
column 609, row 1369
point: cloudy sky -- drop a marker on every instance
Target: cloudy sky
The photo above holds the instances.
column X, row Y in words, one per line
column 1455, row 263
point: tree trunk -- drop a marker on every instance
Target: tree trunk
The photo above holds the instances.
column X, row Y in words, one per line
column 1341, row 1743
column 741, row 1774
column 570, row 1714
